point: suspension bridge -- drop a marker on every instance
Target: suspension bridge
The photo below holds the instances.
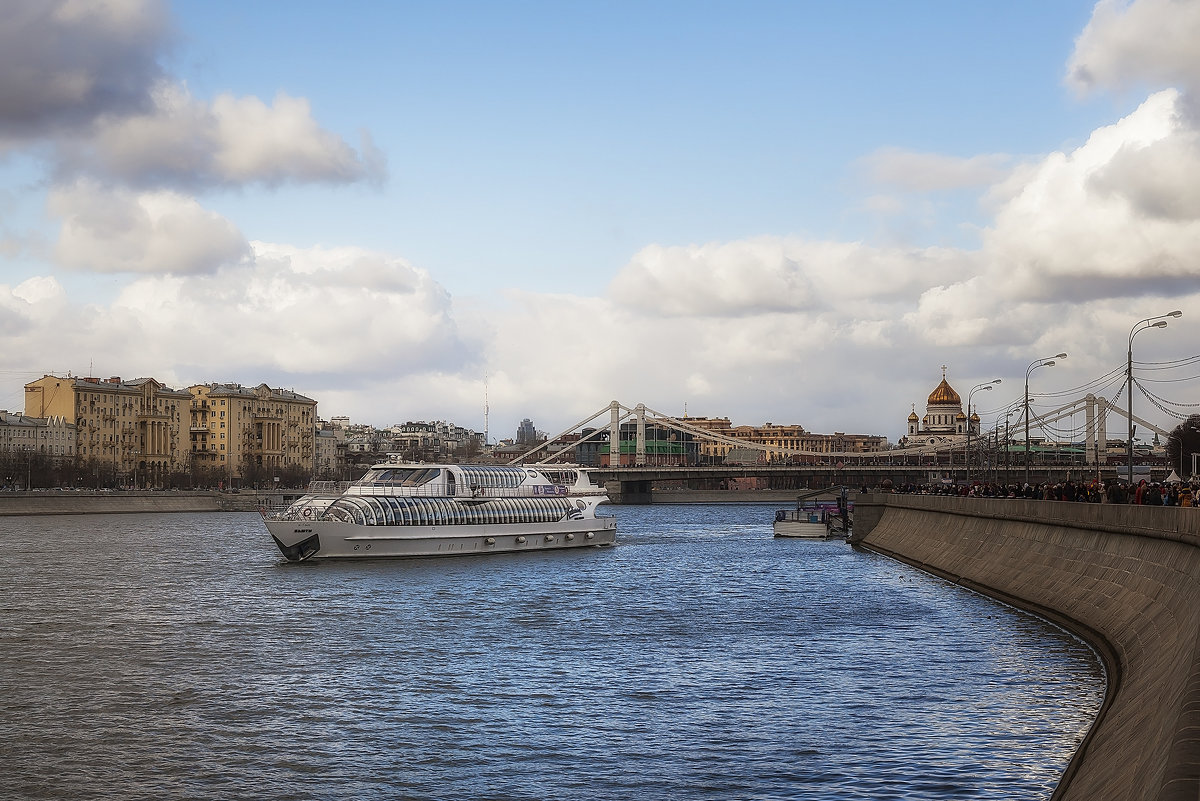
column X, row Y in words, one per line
column 564, row 445
column 1072, row 434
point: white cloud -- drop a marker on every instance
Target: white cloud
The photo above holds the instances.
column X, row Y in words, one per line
column 1128, row 44
column 84, row 76
column 781, row 274
column 152, row 232
column 278, row 142
column 184, row 141
column 1085, row 225
column 330, row 322
column 715, row 279
column 342, row 313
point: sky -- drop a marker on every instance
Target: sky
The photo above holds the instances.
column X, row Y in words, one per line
column 785, row 212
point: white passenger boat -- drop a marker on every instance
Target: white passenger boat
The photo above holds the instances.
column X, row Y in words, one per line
column 442, row 510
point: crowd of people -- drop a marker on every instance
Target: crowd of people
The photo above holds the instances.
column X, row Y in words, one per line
column 1146, row 493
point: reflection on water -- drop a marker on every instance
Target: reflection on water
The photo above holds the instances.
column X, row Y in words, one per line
column 146, row 656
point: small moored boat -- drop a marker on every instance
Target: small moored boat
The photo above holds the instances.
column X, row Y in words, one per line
column 399, row 509
column 815, row 517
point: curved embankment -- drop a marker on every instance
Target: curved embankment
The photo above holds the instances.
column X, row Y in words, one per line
column 1126, row 578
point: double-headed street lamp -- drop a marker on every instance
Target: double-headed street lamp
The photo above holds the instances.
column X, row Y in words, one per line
column 984, row 385
column 1046, row 362
column 1150, row 322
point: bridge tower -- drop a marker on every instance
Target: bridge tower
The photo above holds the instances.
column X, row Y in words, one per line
column 1101, row 431
column 1089, row 428
column 1096, row 430
column 640, row 459
column 614, row 434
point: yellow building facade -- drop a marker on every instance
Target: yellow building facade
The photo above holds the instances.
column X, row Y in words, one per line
column 134, row 430
column 248, row 432
column 784, row 437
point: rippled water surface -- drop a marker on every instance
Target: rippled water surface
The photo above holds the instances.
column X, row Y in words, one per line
column 178, row 656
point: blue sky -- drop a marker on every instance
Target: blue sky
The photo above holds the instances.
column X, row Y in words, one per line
column 565, row 136
column 785, row 212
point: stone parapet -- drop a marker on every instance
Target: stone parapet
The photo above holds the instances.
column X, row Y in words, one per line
column 1126, row 578
column 54, row 502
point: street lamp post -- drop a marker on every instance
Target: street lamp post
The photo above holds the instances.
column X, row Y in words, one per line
column 1150, row 322
column 1007, row 448
column 1046, row 362
column 984, row 385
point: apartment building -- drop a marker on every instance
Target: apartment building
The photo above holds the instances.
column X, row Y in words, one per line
column 52, row 437
column 249, row 433
column 132, row 429
column 329, row 451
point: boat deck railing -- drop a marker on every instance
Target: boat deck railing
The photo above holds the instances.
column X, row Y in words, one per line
column 439, row 489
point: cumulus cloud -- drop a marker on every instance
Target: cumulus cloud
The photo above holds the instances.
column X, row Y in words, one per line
column 1159, row 179
column 1101, row 221
column 25, row 307
column 779, row 274
column 342, row 312
column 64, row 63
column 1116, row 217
column 151, row 232
column 84, row 77
column 332, row 322
column 183, row 141
column 1128, row 43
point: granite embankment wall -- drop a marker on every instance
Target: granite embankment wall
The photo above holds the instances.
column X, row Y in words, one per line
column 54, row 502
column 1125, row 578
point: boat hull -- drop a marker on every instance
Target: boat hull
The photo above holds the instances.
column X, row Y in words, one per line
column 300, row 540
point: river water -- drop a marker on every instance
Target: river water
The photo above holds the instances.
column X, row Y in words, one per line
column 178, row 656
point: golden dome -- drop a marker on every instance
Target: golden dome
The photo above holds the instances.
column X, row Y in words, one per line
column 944, row 394
column 960, row 416
column 912, row 416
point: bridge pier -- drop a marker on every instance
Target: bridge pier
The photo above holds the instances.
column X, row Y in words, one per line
column 630, row 492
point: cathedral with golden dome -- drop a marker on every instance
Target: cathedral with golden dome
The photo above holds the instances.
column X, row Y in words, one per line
column 944, row 420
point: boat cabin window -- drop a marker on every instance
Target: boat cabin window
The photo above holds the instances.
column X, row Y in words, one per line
column 399, row 476
column 561, row 477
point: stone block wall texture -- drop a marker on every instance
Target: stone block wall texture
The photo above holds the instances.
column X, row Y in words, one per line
column 1126, row 578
